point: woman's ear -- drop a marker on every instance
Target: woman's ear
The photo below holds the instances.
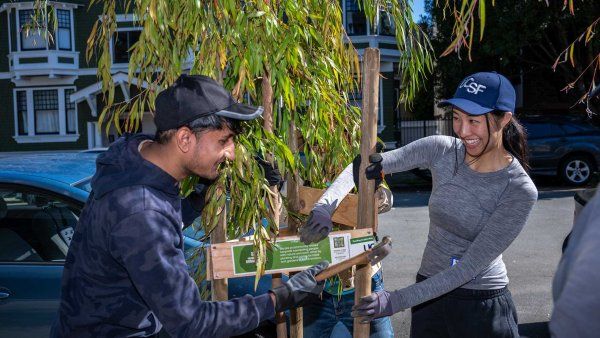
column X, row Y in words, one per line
column 505, row 119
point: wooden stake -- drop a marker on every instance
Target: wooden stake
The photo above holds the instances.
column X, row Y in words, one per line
column 219, row 235
column 293, row 197
column 367, row 217
column 220, row 289
column 267, row 102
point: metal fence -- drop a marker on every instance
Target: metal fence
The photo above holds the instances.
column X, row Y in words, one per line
column 411, row 130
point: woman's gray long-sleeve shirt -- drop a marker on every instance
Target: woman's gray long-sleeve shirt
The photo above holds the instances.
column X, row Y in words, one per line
column 474, row 217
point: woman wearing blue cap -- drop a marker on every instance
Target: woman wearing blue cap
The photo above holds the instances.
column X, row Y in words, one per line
column 481, row 198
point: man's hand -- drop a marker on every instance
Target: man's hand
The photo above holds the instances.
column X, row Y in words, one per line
column 272, row 174
column 317, row 227
column 373, row 306
column 374, row 170
column 301, row 289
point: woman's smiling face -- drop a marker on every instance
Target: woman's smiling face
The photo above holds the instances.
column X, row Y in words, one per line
column 473, row 132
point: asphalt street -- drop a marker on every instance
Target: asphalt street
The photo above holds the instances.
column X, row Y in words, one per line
column 531, row 260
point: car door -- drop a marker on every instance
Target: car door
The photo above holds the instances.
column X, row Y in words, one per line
column 35, row 231
column 544, row 139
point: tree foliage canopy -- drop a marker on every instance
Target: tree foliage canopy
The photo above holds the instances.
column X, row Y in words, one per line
column 292, row 57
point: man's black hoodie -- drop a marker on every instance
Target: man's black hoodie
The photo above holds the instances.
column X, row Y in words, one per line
column 125, row 273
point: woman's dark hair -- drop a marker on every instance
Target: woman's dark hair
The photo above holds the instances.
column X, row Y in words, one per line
column 200, row 125
column 514, row 139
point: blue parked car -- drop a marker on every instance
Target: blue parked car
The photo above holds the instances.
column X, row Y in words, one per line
column 41, row 198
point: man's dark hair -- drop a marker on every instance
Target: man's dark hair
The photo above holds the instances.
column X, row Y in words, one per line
column 201, row 124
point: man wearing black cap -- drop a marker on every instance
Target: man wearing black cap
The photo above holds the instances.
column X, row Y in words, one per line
column 125, row 273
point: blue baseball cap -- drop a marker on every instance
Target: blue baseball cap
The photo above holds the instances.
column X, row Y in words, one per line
column 483, row 92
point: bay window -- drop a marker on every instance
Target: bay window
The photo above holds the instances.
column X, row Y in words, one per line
column 45, row 115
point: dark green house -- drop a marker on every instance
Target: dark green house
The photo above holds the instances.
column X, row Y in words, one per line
column 48, row 91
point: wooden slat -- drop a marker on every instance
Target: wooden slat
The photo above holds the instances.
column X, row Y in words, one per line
column 222, row 261
column 345, row 214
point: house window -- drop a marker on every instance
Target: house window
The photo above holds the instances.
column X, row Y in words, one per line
column 34, row 39
column 22, row 112
column 356, row 22
column 122, row 44
column 70, row 112
column 64, row 29
column 386, row 24
column 45, row 111
column 45, row 114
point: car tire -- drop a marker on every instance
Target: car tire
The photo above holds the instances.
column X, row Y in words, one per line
column 577, row 170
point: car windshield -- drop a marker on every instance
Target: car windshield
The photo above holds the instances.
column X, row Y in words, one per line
column 85, row 184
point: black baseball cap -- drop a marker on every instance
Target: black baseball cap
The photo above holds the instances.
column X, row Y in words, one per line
column 194, row 96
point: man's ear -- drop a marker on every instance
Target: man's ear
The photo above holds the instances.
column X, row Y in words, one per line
column 184, row 138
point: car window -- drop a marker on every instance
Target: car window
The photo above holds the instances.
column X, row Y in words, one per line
column 540, row 130
column 34, row 226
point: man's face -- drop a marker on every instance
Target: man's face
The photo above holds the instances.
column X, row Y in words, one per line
column 211, row 149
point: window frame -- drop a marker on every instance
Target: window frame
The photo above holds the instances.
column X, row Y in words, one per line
column 21, row 34
column 112, row 43
column 31, row 124
column 35, row 190
column 346, row 13
column 35, row 112
column 70, row 28
column 50, row 46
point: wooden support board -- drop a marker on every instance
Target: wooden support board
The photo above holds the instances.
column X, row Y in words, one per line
column 345, row 214
column 367, row 218
column 222, row 263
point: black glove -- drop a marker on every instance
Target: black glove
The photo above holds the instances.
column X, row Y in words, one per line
column 272, row 174
column 374, row 171
column 193, row 204
column 299, row 290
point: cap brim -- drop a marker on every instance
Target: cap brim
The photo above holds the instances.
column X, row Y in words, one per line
column 240, row 111
column 467, row 106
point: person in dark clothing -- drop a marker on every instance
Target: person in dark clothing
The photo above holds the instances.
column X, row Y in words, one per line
column 125, row 273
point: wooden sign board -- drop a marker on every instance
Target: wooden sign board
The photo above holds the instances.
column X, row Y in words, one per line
column 346, row 212
column 236, row 258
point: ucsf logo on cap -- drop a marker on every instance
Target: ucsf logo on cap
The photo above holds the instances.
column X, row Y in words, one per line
column 471, row 86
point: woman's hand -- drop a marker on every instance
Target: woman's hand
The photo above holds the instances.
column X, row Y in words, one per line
column 375, row 305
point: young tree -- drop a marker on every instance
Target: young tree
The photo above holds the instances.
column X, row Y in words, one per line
column 292, row 57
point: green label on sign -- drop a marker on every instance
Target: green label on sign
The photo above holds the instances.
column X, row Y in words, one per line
column 285, row 255
column 359, row 240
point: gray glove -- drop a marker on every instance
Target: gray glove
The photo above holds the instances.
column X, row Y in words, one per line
column 301, row 289
column 317, row 227
column 375, row 305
